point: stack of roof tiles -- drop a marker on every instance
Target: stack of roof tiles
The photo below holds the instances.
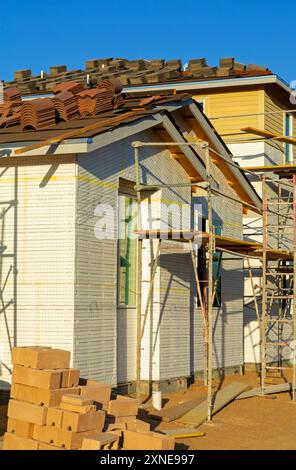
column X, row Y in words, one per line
column 131, row 72
column 103, row 98
column 10, row 108
column 38, row 114
column 70, row 101
column 66, row 105
column 72, row 87
column 116, row 87
column 12, row 94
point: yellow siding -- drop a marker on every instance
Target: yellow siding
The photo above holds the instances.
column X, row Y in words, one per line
column 232, row 103
column 294, row 135
column 273, row 122
column 276, row 122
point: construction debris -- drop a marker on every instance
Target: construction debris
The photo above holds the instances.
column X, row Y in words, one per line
column 51, row 408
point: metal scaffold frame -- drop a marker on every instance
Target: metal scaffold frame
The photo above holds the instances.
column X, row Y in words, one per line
column 282, row 277
column 212, row 242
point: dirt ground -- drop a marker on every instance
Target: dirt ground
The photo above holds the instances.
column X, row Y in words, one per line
column 253, row 423
column 250, row 424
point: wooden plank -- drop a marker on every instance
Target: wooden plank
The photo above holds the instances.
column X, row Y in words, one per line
column 263, row 133
column 255, row 392
column 198, row 415
column 260, row 132
column 174, row 412
column 182, row 433
column 286, row 140
column 278, row 169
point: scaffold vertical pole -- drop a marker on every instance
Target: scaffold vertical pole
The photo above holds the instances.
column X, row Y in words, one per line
column 264, row 281
column 294, row 283
column 139, row 274
column 210, row 287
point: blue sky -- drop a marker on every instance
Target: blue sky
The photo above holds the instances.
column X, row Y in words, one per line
column 39, row 34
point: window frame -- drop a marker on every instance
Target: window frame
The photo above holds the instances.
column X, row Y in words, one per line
column 201, row 259
column 288, row 128
column 120, row 304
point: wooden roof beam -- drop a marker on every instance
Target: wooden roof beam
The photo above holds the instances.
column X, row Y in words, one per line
column 263, row 133
column 260, row 132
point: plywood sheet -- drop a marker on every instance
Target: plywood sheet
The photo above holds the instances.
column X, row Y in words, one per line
column 255, row 392
column 198, row 415
column 177, row 411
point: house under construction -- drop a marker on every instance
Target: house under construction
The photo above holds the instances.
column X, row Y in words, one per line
column 63, row 286
column 144, row 309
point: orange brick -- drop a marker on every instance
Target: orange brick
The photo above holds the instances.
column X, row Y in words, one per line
column 116, row 427
column 13, row 442
column 79, row 422
column 123, row 407
column 41, row 357
column 134, row 440
column 27, row 412
column 70, row 378
column 46, row 434
column 137, row 425
column 40, row 396
column 47, row 378
column 98, row 441
column 112, row 446
column 124, row 419
column 77, row 400
column 77, row 404
column 44, row 446
column 120, row 419
column 100, row 392
column 71, row 440
column 20, row 428
column 118, row 431
column 54, row 417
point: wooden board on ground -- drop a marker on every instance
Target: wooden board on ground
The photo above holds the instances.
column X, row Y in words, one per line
column 182, row 433
column 198, row 415
column 255, row 392
column 174, row 412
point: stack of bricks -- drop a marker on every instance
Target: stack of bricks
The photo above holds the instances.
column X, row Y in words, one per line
column 52, row 408
column 48, row 409
column 66, row 426
column 133, row 433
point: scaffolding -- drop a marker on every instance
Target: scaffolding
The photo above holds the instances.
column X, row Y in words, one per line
column 274, row 257
column 278, row 318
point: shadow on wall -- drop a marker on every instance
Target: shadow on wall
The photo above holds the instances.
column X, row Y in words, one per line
column 8, row 266
column 4, row 389
column 227, row 321
column 174, row 311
